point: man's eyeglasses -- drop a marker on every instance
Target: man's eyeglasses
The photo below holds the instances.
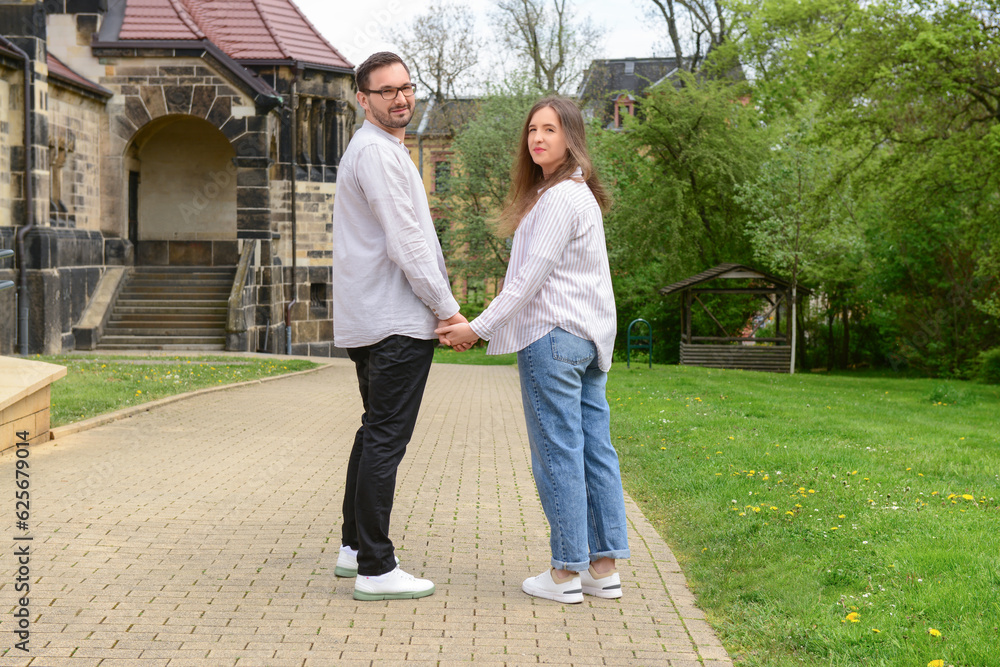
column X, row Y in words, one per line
column 390, row 93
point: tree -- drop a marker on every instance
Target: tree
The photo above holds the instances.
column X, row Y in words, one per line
column 553, row 46
column 701, row 25
column 674, row 172
column 909, row 90
column 801, row 224
column 442, row 48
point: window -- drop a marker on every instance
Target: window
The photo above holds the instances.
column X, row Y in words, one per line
column 629, row 68
column 442, row 177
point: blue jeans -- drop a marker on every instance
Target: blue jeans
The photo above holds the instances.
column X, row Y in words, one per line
column 574, row 464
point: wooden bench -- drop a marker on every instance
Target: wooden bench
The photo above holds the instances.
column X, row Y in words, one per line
column 25, row 395
column 769, row 358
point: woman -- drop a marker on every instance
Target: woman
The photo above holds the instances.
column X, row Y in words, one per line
column 557, row 311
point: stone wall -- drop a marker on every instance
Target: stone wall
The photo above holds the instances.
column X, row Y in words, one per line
column 152, row 88
column 11, row 133
column 74, row 157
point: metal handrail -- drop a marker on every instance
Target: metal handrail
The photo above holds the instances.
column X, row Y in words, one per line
column 641, row 342
column 6, row 284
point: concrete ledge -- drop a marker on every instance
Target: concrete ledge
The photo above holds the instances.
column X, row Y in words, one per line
column 87, row 333
column 25, row 396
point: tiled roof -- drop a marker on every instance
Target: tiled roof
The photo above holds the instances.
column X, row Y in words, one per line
column 158, row 19
column 446, row 118
column 728, row 271
column 59, row 70
column 604, row 78
column 245, row 30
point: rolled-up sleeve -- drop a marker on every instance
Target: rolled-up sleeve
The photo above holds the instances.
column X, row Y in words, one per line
column 380, row 175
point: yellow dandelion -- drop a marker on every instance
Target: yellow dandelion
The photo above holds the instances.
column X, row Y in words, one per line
column 853, row 617
column 790, row 512
column 935, row 663
column 876, row 630
column 934, row 633
column 968, row 497
column 834, row 527
column 842, row 516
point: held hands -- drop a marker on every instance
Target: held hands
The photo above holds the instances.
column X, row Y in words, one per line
column 455, row 320
column 459, row 336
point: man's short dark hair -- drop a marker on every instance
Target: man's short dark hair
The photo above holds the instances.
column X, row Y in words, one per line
column 374, row 62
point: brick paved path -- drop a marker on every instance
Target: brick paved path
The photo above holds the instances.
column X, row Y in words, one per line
column 205, row 532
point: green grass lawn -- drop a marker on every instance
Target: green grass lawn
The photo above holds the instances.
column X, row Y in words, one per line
column 475, row 356
column 96, row 384
column 823, row 519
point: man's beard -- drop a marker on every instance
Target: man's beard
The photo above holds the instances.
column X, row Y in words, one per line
column 389, row 120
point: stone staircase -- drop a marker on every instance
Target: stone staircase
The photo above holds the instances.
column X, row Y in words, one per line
column 171, row 308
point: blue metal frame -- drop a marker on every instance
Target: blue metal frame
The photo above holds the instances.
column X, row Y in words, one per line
column 641, row 342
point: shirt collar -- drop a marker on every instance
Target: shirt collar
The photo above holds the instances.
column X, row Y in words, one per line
column 379, row 130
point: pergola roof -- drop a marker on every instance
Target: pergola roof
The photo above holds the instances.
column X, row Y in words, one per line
column 732, row 271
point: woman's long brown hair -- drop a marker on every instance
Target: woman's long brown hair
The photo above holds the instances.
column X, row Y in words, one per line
column 528, row 183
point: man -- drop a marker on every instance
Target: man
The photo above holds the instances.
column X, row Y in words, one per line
column 390, row 291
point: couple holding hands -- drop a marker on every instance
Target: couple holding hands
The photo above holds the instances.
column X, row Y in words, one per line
column 392, row 305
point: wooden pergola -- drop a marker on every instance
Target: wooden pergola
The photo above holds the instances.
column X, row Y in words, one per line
column 744, row 351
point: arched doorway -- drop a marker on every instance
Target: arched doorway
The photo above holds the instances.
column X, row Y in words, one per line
column 182, row 194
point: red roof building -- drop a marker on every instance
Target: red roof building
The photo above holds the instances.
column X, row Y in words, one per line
column 59, row 70
column 248, row 31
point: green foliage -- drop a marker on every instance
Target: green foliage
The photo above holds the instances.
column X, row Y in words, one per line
column 950, row 394
column 674, row 173
column 989, row 366
column 900, row 98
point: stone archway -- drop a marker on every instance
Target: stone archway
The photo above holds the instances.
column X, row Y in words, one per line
column 183, row 193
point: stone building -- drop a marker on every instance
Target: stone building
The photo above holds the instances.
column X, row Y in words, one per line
column 187, row 143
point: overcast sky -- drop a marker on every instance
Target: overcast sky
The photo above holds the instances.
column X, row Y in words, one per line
column 355, row 28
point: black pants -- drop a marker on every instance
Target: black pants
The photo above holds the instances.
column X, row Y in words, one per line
column 391, row 376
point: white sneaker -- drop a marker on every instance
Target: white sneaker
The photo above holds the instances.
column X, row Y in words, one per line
column 544, row 586
column 608, row 586
column 395, row 585
column 347, row 562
